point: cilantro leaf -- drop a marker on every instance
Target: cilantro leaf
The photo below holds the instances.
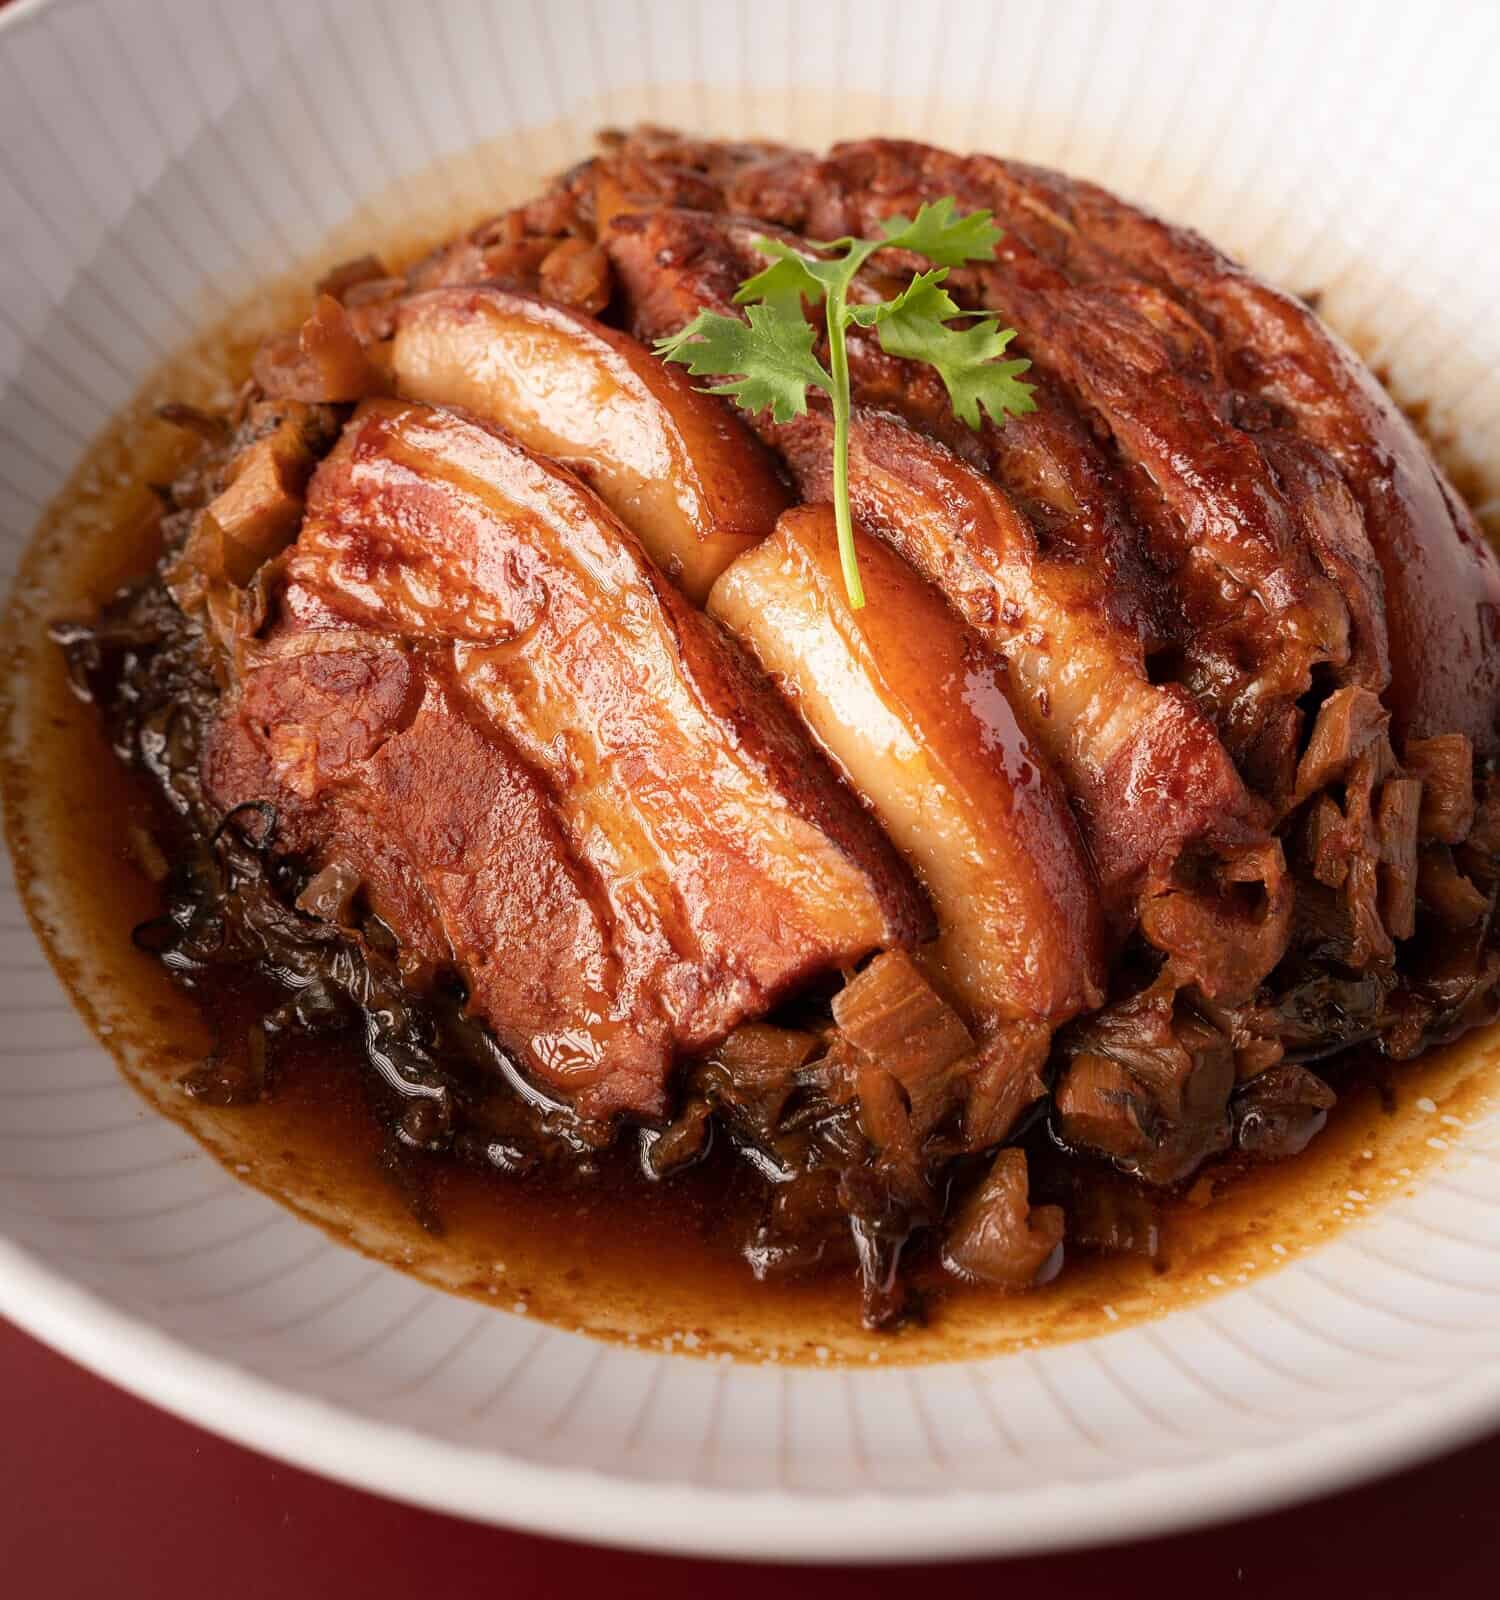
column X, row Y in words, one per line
column 793, row 272
column 788, row 281
column 965, row 359
column 771, row 353
column 923, row 299
column 945, row 239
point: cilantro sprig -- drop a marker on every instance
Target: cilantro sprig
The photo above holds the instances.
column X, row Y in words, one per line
column 769, row 360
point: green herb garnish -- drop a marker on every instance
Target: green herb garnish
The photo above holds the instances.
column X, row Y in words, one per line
column 770, row 359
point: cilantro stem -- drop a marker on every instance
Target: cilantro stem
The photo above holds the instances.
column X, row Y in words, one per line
column 838, row 370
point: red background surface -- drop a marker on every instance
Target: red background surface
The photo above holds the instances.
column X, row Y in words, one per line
column 101, row 1495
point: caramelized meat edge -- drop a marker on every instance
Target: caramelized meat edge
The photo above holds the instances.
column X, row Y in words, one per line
column 702, row 860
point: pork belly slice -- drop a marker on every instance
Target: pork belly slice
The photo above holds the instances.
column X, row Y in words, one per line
column 1436, row 590
column 1079, row 680
column 1154, row 786
column 723, row 860
column 1047, row 461
column 1441, row 578
column 1052, row 470
column 1271, row 566
column 374, row 762
column 1260, row 615
column 1145, row 766
column 910, row 705
column 677, row 466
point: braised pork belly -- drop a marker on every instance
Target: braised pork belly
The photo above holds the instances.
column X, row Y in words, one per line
column 507, row 694
column 680, row 472
column 468, row 648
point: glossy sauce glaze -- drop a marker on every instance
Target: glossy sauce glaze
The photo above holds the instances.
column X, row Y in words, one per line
column 911, row 709
column 598, row 1249
column 687, row 869
column 637, row 428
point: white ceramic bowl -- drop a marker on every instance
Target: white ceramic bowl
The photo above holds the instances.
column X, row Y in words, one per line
column 160, row 157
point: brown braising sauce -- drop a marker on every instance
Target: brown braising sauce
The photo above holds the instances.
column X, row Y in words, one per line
column 600, row 1249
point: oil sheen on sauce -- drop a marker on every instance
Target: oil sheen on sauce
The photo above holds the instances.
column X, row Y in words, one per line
column 607, row 1254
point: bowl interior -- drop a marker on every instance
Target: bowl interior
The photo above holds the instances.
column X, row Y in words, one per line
column 1343, row 149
